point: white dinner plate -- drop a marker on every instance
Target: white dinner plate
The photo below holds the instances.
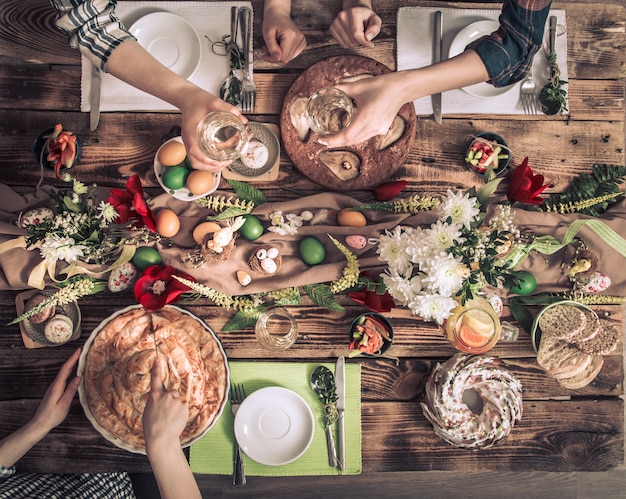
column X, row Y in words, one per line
column 274, row 426
column 171, row 40
column 462, row 39
column 183, row 193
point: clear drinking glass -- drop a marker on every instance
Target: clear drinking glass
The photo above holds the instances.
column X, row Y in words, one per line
column 276, row 329
column 329, row 110
column 222, row 136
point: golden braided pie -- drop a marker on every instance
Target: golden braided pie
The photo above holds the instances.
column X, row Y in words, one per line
column 116, row 367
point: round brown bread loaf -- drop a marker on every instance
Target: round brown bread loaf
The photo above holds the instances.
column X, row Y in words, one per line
column 604, row 342
column 586, row 376
column 561, row 359
column 562, row 321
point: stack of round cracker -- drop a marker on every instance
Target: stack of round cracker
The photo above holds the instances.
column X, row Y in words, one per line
column 573, row 341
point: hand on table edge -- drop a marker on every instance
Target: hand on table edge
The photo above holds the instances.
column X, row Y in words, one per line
column 51, row 412
column 356, row 25
column 283, row 40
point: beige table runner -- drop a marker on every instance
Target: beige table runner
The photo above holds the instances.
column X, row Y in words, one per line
column 208, row 19
column 415, row 49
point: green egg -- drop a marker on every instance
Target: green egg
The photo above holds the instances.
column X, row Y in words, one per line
column 145, row 256
column 527, row 283
column 252, row 228
column 174, row 177
column 312, row 250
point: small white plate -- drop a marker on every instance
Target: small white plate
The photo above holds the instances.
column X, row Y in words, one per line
column 171, row 40
column 466, row 36
column 183, row 193
column 274, row 426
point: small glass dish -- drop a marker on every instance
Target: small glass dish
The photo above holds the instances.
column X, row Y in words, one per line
column 380, row 323
column 481, row 147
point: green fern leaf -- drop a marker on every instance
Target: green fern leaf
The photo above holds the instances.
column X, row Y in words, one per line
column 247, row 192
column 233, row 211
column 320, row 295
column 244, row 319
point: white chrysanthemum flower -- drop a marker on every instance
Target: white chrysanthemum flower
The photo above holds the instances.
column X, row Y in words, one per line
column 437, row 239
column 79, row 188
column 402, row 289
column 106, row 212
column 445, row 274
column 460, row 208
column 392, row 249
column 55, row 247
column 433, row 307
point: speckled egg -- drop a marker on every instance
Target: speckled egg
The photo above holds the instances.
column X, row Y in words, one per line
column 34, row 217
column 356, row 241
column 496, row 303
column 122, row 277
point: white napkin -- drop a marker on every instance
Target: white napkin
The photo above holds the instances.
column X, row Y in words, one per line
column 415, row 35
column 210, row 19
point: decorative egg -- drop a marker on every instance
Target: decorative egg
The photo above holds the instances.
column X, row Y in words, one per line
column 272, row 252
column 200, row 181
column 269, row 265
column 311, row 250
column 172, row 153
column 174, row 177
column 306, row 215
column 496, row 303
column 252, row 228
column 350, row 218
column 527, row 283
column 597, row 283
column 34, row 217
column 146, row 256
column 243, row 277
column 204, row 228
column 356, row 241
column 122, row 277
column 167, row 222
column 261, row 254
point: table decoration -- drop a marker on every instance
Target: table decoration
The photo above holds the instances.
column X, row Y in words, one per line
column 56, row 148
column 207, row 455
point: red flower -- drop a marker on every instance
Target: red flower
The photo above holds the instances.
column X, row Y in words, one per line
column 389, row 190
column 524, row 186
column 61, row 149
column 373, row 301
column 156, row 287
column 130, row 204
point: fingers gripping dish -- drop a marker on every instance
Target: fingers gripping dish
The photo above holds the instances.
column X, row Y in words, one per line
column 116, row 379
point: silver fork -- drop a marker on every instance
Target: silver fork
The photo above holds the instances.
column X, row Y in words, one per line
column 248, row 88
column 528, row 95
column 237, row 394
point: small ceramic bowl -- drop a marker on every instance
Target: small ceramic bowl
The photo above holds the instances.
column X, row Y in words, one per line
column 479, row 149
column 377, row 320
column 69, row 310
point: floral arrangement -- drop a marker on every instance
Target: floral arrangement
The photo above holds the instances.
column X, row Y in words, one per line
column 59, row 148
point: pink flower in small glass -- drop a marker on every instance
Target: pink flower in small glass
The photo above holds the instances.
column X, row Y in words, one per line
column 525, row 186
column 389, row 190
column 156, row 287
column 61, row 149
column 130, row 205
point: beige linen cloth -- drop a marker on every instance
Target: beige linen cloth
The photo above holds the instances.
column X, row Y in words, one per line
column 16, row 264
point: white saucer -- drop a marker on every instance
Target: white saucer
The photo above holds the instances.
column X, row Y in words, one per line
column 462, row 39
column 274, row 426
column 183, row 193
column 171, row 40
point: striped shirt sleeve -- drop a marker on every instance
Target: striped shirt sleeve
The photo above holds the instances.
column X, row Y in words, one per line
column 508, row 53
column 92, row 27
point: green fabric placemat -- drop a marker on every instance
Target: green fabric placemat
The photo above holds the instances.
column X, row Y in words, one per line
column 214, row 453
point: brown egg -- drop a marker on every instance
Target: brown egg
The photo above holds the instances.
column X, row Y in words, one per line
column 200, row 181
column 167, row 222
column 350, row 218
column 203, row 229
column 172, row 153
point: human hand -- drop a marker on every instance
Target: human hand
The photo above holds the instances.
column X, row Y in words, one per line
column 356, row 25
column 194, row 106
column 283, row 40
column 165, row 415
column 376, row 107
column 57, row 400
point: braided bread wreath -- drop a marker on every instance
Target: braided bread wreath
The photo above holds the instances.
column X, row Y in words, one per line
column 498, row 391
column 115, row 365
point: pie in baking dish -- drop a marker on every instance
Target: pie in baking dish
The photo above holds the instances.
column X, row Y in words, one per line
column 116, row 379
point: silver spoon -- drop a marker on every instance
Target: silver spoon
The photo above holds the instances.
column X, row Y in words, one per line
column 230, row 90
column 323, row 384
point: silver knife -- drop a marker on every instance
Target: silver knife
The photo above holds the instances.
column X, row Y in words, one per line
column 437, row 43
column 94, row 98
column 340, row 382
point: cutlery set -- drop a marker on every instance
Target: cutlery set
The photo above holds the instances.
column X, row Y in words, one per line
column 330, row 389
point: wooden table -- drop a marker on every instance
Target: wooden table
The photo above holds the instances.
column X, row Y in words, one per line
column 561, row 430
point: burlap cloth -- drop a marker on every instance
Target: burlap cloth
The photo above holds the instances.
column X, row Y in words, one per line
column 16, row 264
